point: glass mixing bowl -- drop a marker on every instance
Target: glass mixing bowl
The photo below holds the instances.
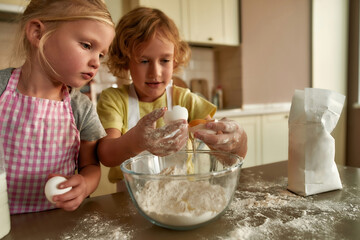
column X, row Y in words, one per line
column 184, row 190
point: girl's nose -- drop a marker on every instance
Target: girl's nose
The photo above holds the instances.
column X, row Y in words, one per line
column 95, row 62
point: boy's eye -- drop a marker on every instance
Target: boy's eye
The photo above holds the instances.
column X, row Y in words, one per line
column 86, row 45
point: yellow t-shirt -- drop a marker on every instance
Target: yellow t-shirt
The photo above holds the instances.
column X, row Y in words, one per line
column 112, row 108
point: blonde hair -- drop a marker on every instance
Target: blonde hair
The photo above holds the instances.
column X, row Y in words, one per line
column 52, row 13
column 136, row 28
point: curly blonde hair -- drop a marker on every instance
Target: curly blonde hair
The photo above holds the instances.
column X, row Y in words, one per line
column 136, row 28
column 52, row 13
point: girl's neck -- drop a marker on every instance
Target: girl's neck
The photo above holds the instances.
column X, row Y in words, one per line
column 35, row 82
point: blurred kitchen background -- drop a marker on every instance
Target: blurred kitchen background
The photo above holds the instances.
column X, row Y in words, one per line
column 258, row 52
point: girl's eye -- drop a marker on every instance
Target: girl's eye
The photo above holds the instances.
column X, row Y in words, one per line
column 144, row 61
column 86, row 45
column 101, row 55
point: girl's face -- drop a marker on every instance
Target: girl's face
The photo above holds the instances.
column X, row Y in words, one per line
column 75, row 50
column 152, row 69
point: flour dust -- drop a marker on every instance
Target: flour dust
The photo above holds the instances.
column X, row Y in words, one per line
column 264, row 210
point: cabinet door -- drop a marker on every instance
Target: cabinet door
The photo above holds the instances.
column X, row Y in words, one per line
column 275, row 138
column 206, row 21
column 173, row 9
column 252, row 127
column 231, row 16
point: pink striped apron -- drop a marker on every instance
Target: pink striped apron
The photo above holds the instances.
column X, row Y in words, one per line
column 40, row 137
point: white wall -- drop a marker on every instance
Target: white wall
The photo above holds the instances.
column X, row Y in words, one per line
column 329, row 56
column 329, row 40
column 275, row 49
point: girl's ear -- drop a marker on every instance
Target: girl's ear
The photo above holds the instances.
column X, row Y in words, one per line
column 34, row 30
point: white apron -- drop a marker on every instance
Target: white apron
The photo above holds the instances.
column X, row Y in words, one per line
column 134, row 117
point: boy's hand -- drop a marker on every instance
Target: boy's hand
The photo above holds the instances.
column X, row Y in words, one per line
column 230, row 137
column 165, row 140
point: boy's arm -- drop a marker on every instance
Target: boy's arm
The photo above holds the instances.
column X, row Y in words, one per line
column 116, row 148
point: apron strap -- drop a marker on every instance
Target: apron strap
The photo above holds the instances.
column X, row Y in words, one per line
column 134, row 114
column 169, row 95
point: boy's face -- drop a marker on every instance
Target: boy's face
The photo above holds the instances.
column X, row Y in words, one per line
column 75, row 49
column 152, row 70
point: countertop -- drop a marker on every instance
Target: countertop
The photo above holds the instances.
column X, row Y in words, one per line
column 254, row 109
column 262, row 209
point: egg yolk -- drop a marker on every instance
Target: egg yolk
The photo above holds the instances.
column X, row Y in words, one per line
column 195, row 122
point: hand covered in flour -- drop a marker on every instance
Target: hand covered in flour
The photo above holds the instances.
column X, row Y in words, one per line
column 164, row 140
column 230, row 136
column 72, row 199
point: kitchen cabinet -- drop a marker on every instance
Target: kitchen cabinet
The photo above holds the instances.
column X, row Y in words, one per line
column 12, row 6
column 174, row 9
column 275, row 135
column 14, row 2
column 267, row 137
column 206, row 26
column 218, row 25
column 252, row 127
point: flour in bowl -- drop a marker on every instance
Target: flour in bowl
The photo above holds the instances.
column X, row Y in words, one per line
column 182, row 203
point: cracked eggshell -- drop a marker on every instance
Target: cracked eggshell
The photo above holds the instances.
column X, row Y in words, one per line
column 201, row 128
column 177, row 113
column 51, row 188
column 198, row 125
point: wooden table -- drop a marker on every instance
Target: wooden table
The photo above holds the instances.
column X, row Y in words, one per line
column 262, row 209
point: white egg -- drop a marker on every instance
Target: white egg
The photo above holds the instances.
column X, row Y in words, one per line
column 51, row 187
column 177, row 113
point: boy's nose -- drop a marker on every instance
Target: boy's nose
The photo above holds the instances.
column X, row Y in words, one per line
column 154, row 70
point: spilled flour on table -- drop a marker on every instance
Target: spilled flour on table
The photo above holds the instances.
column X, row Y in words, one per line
column 264, row 210
column 96, row 227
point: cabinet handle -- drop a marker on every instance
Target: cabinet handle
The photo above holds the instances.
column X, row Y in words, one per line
column 210, row 38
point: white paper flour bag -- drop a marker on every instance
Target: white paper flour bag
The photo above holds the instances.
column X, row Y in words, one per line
column 313, row 115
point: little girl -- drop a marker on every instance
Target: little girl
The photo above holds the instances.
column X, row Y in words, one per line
column 47, row 126
column 147, row 44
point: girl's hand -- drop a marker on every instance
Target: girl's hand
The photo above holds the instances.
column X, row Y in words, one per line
column 230, row 137
column 161, row 141
column 71, row 200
